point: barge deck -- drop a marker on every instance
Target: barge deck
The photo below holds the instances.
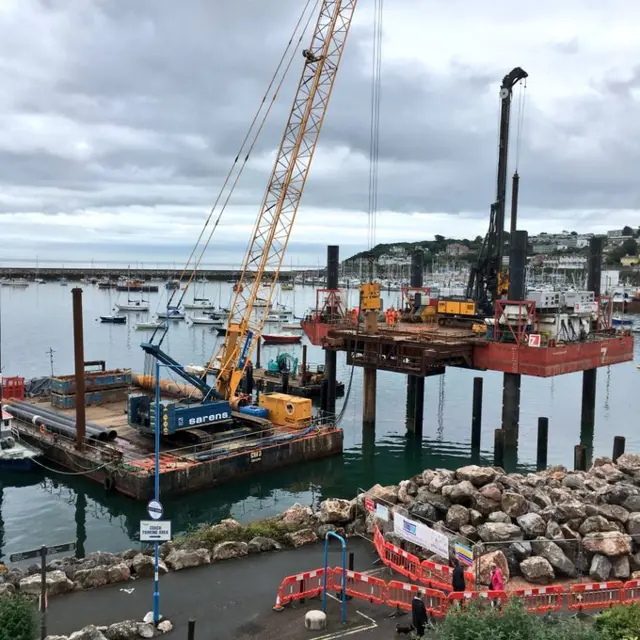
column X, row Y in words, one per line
column 273, row 382
column 126, row 464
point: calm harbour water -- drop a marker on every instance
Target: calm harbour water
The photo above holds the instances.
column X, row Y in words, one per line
column 50, row 508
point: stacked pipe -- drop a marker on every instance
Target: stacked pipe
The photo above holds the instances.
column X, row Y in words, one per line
column 56, row 422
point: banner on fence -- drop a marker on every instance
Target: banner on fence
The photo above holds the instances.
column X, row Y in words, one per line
column 421, row 534
column 382, row 512
column 464, row 553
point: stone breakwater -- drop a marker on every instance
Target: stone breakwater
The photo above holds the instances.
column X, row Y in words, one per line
column 541, row 526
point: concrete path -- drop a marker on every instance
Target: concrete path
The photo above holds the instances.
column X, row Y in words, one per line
column 230, row 599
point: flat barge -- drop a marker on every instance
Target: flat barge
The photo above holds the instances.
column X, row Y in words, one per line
column 270, row 381
column 126, row 463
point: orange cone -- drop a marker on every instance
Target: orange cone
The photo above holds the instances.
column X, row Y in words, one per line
column 278, row 605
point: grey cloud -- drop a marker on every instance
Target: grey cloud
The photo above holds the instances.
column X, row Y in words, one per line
column 199, row 69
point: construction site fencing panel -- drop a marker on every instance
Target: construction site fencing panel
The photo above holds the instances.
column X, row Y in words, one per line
column 360, row 586
column 400, row 594
column 595, row 595
column 631, row 591
column 541, row 599
column 440, row 576
column 303, row 585
column 403, row 562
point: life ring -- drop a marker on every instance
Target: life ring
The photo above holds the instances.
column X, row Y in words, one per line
column 289, row 408
column 109, row 483
column 43, row 429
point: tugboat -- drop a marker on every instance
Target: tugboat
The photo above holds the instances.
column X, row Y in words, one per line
column 14, row 455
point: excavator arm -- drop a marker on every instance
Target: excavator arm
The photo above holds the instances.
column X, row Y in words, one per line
column 284, row 191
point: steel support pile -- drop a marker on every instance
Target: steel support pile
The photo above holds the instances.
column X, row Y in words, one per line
column 415, row 384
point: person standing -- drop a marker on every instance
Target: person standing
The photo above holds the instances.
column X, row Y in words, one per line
column 457, row 579
column 419, row 616
column 496, row 581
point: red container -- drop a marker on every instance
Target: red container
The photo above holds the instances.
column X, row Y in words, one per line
column 12, row 388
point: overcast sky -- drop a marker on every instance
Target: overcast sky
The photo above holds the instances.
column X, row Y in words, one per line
column 119, row 120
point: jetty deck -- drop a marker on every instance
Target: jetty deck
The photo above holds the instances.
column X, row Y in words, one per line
column 126, row 464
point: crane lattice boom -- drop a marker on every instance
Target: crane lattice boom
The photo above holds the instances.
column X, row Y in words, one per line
column 284, row 190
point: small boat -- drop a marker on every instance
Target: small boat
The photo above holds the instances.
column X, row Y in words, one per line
column 273, row 317
column 105, row 283
column 291, row 326
column 172, row 285
column 287, row 286
column 172, row 313
column 281, row 338
column 133, row 305
column 114, row 319
column 17, row 283
column 148, row 326
column 199, row 304
column 204, row 320
column 14, row 455
column 64, row 282
column 261, row 302
column 621, row 322
column 39, row 281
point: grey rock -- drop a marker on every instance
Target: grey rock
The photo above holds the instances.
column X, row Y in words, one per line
column 591, row 509
column 532, row 525
column 499, row 532
column 573, row 481
column 609, row 473
column 633, row 524
column 443, row 478
column 478, row 476
column 600, row 569
column 300, row 515
column 427, row 476
column 143, row 566
column 629, row 463
column 228, row 550
column 617, row 493
column 634, row 560
column 485, row 563
column 424, row 511
column 469, row 532
column 118, row 573
column 6, row 589
column 537, row 570
column 57, row 584
column 553, row 531
column 88, row 633
column 521, row 550
column 595, row 524
column 126, row 630
column 572, row 509
column 614, row 512
column 146, row 630
column 534, row 480
column 621, row 567
column 165, row 626
column 300, row 538
column 260, row 544
column 336, row 511
column 555, row 556
column 91, row 578
column 513, row 504
column 99, row 559
column 499, row 516
column 484, row 505
column 186, row 558
column 540, row 498
column 462, row 492
column 434, row 499
column 456, row 517
column 56, row 638
column 225, row 529
column 323, row 529
column 475, row 518
column 632, row 503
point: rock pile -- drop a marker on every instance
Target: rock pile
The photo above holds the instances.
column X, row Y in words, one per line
column 127, row 630
column 542, row 526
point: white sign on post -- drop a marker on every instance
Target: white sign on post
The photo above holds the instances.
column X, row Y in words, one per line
column 155, row 510
column 382, row 512
column 421, row 534
column 155, row 530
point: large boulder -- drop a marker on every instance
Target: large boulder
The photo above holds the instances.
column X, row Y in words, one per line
column 118, row 573
column 476, row 475
column 537, row 570
column 88, row 633
column 629, row 463
column 610, row 544
column 632, row 503
column 532, row 525
column 621, row 567
column 461, row 493
column 436, row 500
column 485, row 506
column 633, row 524
column 228, row 550
column 484, row 563
column 126, row 630
column 91, row 578
column 609, row 472
column 57, row 584
column 6, row 589
column 475, row 517
column 336, row 511
column 300, row 538
column 180, row 559
column 521, row 550
column 614, row 512
column 600, row 569
column 457, row 517
column 573, row 481
column 99, row 559
column 259, row 544
column 407, row 491
column 385, row 494
column 144, row 566
column 424, row 511
column 555, row 556
column 443, row 478
column 595, row 524
column 225, row 529
column 571, row 510
column 492, row 491
column 514, row 505
column 499, row 516
column 469, row 532
column 499, row 532
column 300, row 516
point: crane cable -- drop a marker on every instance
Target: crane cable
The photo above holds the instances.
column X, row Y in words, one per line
column 263, row 102
column 373, row 162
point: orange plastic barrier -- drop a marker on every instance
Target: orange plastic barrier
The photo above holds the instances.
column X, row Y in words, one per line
column 401, row 561
column 496, row 598
column 360, row 585
column 400, row 594
column 541, row 599
column 378, row 542
column 303, row 585
column 631, row 592
column 440, row 576
column 595, row 595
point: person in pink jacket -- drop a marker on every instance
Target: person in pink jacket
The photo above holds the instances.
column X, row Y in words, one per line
column 497, row 582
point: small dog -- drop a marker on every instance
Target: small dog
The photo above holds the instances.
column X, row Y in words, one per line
column 404, row 629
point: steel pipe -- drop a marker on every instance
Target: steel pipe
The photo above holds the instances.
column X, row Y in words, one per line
column 48, row 423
